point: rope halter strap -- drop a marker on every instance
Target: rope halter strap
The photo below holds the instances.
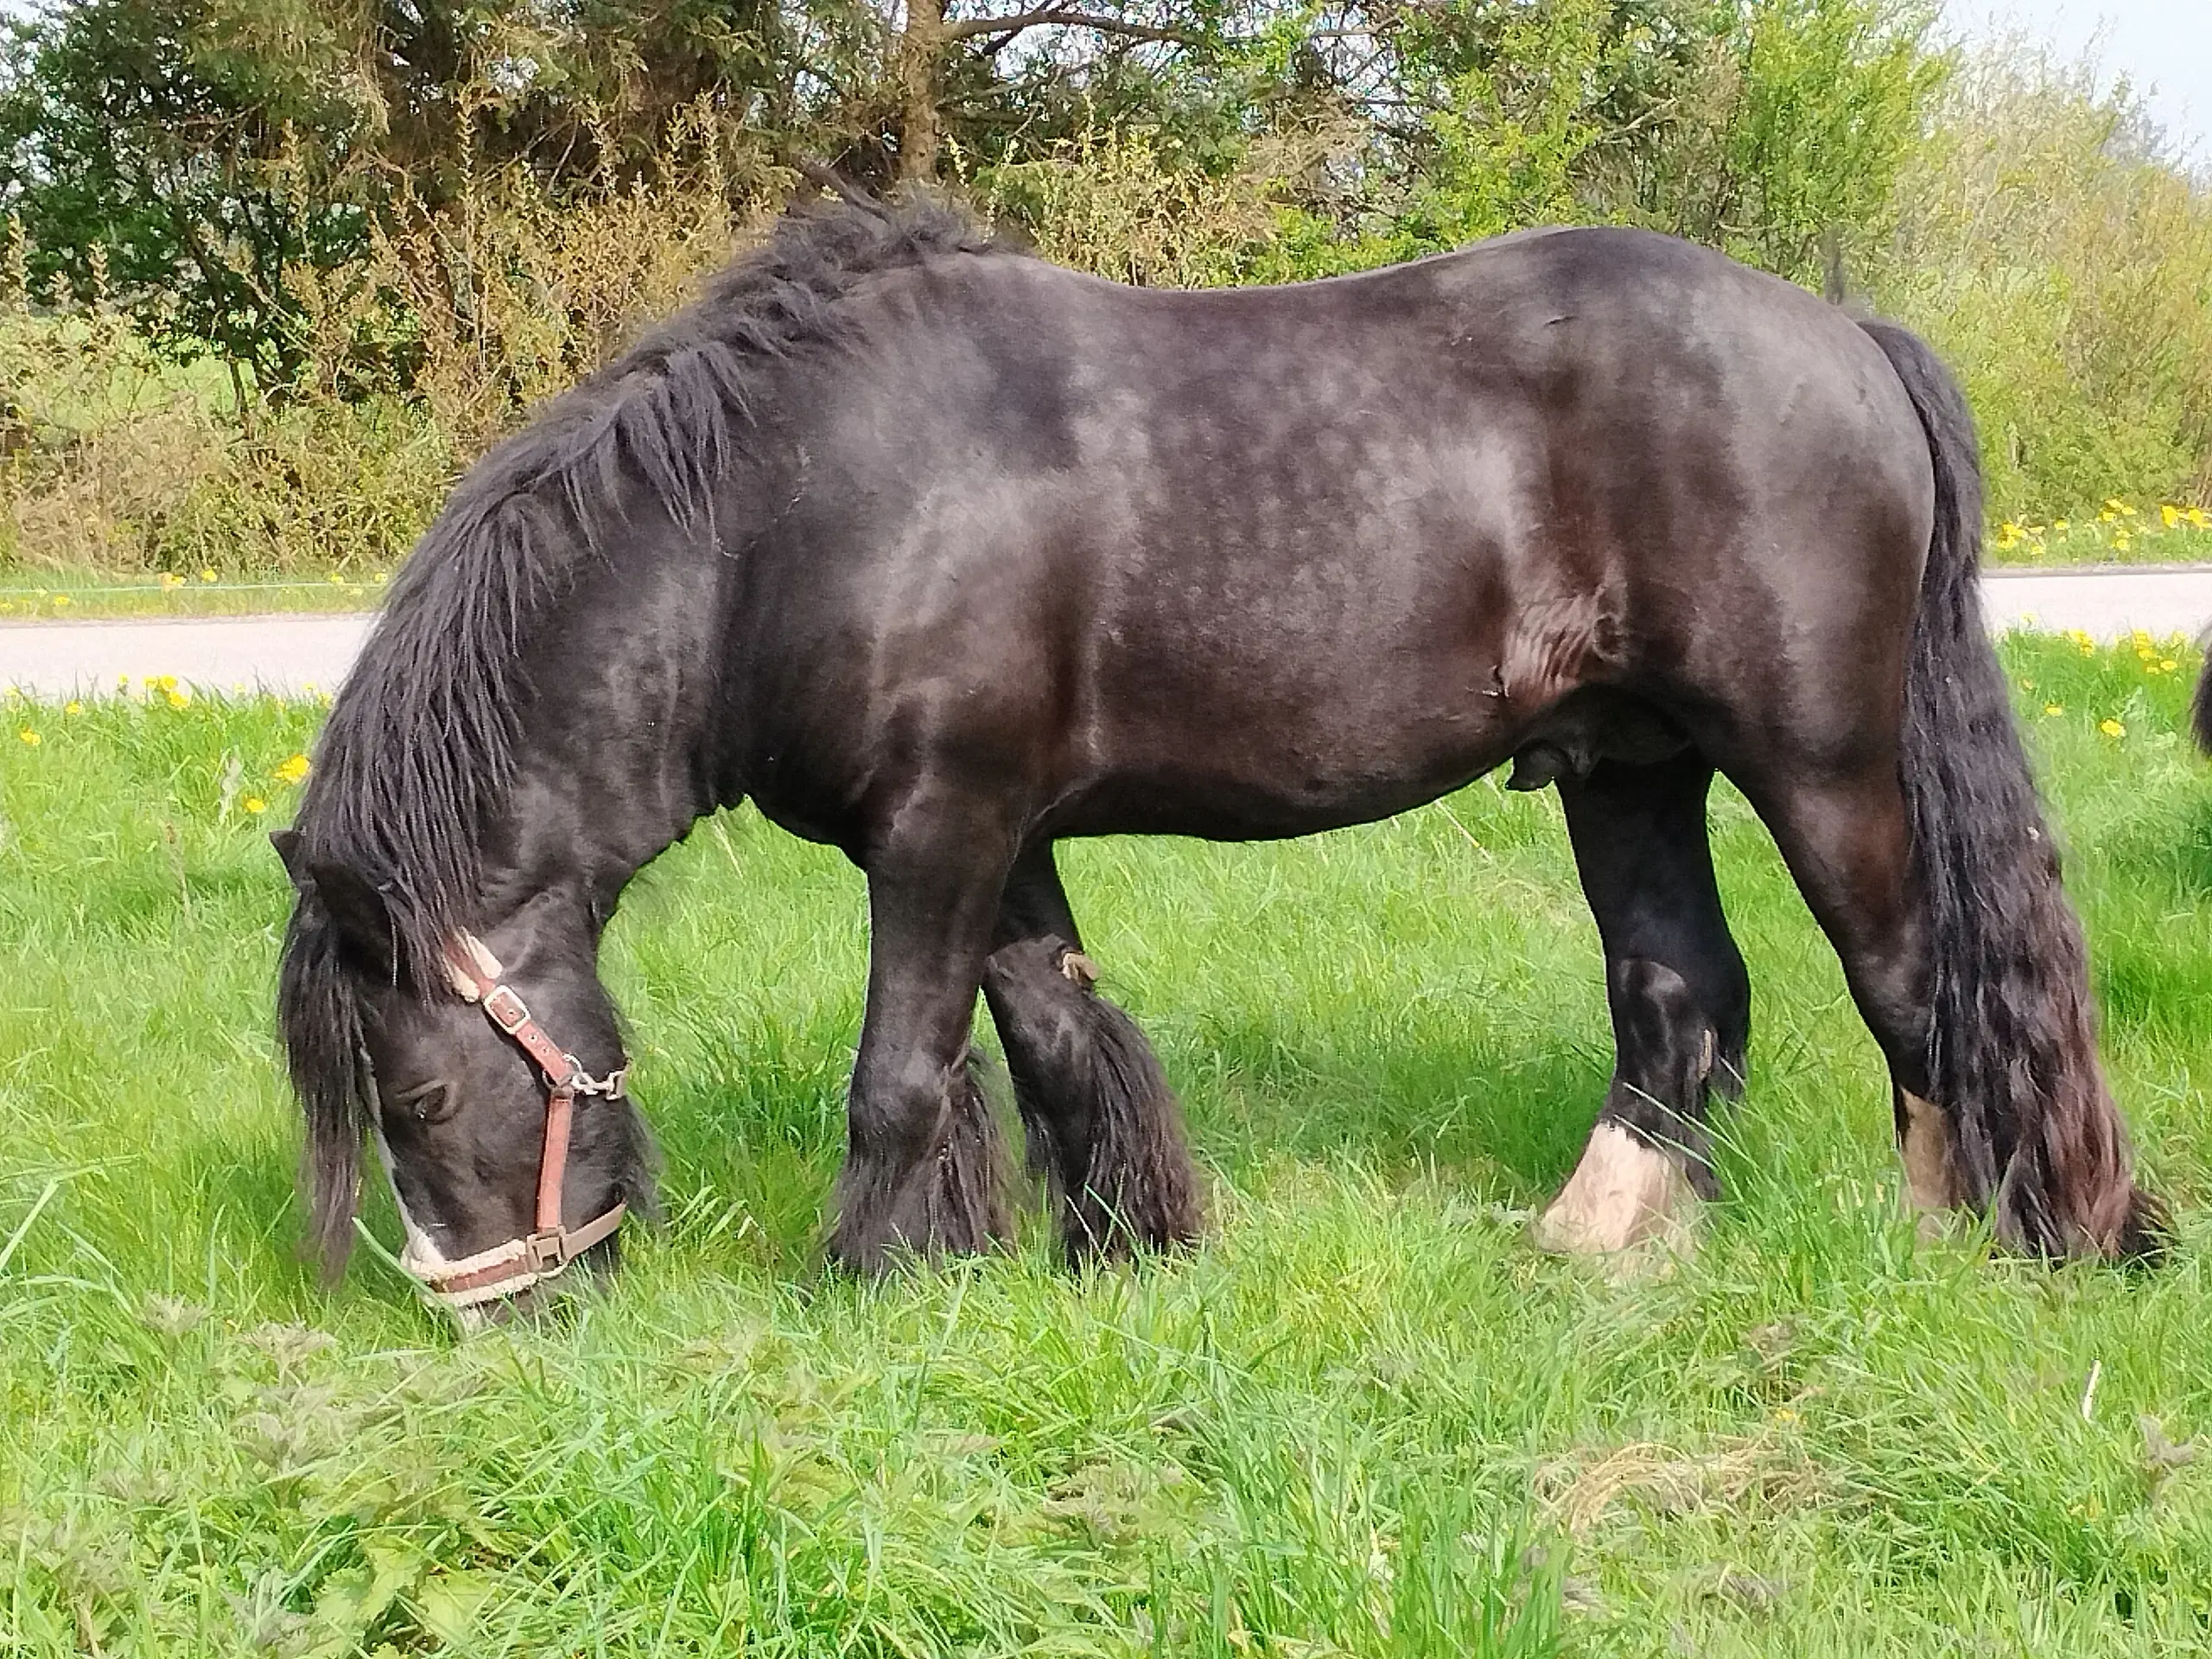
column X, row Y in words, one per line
column 545, row 1252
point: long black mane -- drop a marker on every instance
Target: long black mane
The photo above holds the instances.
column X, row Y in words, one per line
column 419, row 749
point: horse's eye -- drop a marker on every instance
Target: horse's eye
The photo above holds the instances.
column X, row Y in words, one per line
column 432, row 1102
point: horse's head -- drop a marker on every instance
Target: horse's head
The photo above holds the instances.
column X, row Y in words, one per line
column 491, row 1082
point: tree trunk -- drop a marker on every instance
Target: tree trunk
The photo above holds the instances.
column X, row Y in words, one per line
column 921, row 49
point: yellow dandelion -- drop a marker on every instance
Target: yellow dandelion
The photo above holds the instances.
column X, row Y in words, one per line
column 2166, row 665
column 207, row 575
column 2169, row 514
column 73, row 707
column 2054, row 709
column 31, row 738
column 2197, row 520
column 2111, row 728
column 254, row 804
column 2061, row 526
column 381, row 577
column 177, row 696
column 337, row 581
column 61, row 600
column 291, row 770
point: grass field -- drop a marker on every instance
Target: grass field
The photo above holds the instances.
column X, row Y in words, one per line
column 82, row 593
column 1366, row 1418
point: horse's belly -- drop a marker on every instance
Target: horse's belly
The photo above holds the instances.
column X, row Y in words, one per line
column 1258, row 778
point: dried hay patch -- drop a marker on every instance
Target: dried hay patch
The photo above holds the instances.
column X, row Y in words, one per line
column 1582, row 1489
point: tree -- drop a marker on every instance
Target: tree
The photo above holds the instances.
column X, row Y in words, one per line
column 932, row 40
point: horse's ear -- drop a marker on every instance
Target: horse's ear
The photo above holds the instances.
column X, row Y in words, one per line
column 287, row 843
column 355, row 907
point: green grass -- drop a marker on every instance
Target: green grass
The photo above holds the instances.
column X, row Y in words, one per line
column 1366, row 1418
column 2118, row 532
column 80, row 593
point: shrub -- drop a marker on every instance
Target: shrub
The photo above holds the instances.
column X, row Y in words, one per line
column 2066, row 269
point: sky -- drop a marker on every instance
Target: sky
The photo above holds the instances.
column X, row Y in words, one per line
column 2162, row 47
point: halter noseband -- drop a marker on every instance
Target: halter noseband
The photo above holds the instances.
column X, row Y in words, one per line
column 506, row 1269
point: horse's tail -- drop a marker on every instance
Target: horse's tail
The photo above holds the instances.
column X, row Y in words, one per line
column 2012, row 1048
column 2201, row 710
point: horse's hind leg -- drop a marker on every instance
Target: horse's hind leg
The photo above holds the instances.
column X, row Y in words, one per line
column 1681, row 1001
column 923, row 1172
column 1847, row 843
column 1103, row 1125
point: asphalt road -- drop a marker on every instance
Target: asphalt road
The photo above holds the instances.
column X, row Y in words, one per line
column 305, row 654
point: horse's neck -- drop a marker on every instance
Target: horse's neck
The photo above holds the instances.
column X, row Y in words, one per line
column 609, row 774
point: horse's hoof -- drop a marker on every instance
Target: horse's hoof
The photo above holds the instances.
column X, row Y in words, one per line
column 1623, row 1195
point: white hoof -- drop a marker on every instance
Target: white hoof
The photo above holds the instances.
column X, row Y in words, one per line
column 1623, row 1194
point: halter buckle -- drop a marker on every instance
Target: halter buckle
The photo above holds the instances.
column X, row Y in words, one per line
column 545, row 1254
column 507, row 1011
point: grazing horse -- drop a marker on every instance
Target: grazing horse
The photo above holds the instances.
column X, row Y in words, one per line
column 940, row 554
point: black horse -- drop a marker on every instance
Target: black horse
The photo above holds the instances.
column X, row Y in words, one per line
column 2200, row 711
column 940, row 554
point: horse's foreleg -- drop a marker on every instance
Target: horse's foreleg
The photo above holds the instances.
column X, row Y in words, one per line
column 923, row 1172
column 1680, row 998
column 1103, row 1125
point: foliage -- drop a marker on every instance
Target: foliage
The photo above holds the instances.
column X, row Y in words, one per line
column 2067, row 269
column 201, row 162
column 147, row 147
column 1364, row 1418
column 391, row 230
column 121, row 460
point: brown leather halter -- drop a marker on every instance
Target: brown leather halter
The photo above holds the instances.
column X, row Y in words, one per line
column 506, row 1269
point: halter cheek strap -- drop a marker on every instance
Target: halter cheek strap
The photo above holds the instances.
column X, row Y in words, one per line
column 503, row 1270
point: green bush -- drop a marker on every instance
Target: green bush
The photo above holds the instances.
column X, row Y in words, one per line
column 2066, row 271
column 2029, row 225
